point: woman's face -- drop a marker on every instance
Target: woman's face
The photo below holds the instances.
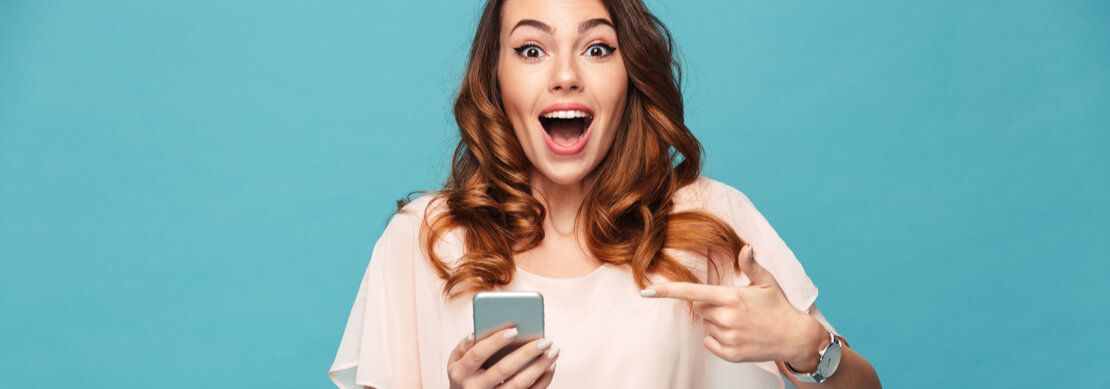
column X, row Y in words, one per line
column 562, row 82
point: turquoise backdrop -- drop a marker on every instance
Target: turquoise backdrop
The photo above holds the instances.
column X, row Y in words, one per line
column 189, row 190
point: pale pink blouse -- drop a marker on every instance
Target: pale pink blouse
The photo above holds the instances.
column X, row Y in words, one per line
column 401, row 331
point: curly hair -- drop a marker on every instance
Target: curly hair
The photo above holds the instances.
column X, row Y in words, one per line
column 627, row 212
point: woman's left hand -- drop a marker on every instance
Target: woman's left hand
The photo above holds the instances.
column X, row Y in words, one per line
column 752, row 323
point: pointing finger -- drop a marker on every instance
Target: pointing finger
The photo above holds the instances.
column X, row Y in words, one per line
column 713, row 294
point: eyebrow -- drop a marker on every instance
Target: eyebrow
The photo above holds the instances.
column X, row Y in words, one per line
column 583, row 27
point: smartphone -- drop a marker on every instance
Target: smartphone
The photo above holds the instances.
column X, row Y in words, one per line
column 494, row 311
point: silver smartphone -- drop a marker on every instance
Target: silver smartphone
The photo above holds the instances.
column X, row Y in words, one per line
column 494, row 311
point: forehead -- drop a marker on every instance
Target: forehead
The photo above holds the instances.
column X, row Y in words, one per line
column 564, row 15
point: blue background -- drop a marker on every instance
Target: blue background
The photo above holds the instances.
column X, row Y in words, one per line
column 189, row 192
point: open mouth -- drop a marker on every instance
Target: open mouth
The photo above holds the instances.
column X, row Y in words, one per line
column 566, row 128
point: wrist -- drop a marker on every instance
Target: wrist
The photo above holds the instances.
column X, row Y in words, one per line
column 810, row 338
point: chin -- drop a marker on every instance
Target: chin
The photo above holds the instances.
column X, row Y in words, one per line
column 565, row 173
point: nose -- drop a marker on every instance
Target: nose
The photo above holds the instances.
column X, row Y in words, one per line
column 566, row 76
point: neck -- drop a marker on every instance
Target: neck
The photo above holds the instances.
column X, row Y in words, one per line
column 561, row 202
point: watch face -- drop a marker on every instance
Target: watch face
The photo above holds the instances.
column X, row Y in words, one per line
column 830, row 361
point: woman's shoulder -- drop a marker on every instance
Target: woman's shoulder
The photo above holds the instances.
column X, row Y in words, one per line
column 710, row 195
column 419, row 207
column 413, row 220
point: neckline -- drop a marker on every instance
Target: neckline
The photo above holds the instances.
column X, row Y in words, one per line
column 528, row 274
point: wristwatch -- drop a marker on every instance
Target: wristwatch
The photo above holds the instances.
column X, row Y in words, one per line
column 826, row 365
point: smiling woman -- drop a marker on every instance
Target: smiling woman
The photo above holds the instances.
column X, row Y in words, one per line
column 576, row 177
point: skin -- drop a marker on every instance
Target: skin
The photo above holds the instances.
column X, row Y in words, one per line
column 745, row 324
column 539, row 68
column 756, row 323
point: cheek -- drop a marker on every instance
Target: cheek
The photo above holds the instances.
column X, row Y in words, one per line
column 612, row 92
column 516, row 95
column 616, row 86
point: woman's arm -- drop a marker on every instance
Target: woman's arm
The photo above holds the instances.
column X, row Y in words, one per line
column 854, row 370
column 756, row 323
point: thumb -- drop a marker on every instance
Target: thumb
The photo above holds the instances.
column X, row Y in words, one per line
column 755, row 272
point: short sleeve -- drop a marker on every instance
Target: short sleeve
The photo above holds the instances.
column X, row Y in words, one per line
column 737, row 210
column 770, row 250
column 379, row 343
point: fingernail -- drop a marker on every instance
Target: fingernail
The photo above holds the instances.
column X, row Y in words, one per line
column 553, row 352
column 544, row 344
column 552, row 367
column 647, row 292
column 470, row 338
column 511, row 333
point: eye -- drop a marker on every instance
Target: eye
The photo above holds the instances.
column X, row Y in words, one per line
column 599, row 50
column 530, row 51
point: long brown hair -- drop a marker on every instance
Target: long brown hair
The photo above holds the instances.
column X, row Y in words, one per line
column 628, row 207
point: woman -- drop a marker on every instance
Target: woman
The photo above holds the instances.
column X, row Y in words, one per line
column 576, row 177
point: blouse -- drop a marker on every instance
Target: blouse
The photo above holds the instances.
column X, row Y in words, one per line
column 401, row 330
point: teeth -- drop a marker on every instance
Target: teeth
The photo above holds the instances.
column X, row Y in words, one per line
column 565, row 114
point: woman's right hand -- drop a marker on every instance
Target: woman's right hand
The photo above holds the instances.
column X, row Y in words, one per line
column 464, row 368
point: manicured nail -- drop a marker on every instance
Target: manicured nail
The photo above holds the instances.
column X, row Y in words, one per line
column 511, row 333
column 647, row 292
column 470, row 338
column 544, row 344
column 553, row 352
column 552, row 367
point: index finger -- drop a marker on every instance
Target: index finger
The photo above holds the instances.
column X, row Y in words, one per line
column 713, row 294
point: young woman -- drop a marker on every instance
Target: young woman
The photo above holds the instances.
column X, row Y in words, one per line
column 576, row 177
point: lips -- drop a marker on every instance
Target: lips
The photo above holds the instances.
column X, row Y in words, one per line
column 566, row 127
